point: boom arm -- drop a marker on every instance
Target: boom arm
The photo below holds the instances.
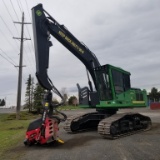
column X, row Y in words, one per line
column 43, row 26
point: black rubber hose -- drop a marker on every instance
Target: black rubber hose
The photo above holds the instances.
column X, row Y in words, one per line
column 63, row 114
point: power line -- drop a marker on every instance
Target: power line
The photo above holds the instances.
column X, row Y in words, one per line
column 29, row 33
column 6, row 58
column 8, row 28
column 14, row 24
column 11, row 17
column 19, row 6
column 9, row 14
column 18, row 19
column 14, row 10
column 31, row 43
column 27, row 28
column 30, row 20
column 12, row 63
column 28, row 10
column 11, row 60
column 6, row 25
column 7, row 8
column 7, row 40
column 29, row 56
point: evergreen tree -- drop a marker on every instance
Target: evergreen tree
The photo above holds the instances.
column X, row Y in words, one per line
column 29, row 93
column 154, row 95
column 2, row 102
column 38, row 97
column 32, row 92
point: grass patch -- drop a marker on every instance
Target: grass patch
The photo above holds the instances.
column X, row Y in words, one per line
column 12, row 131
column 24, row 115
column 68, row 108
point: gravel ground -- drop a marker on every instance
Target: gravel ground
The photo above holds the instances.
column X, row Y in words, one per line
column 91, row 146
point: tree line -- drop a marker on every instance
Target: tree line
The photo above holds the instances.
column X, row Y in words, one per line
column 34, row 96
column 154, row 95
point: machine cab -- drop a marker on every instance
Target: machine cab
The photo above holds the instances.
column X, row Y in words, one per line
column 111, row 81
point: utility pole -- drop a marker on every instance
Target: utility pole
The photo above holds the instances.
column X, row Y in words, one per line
column 20, row 66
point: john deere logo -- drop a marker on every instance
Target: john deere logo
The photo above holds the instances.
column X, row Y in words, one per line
column 39, row 13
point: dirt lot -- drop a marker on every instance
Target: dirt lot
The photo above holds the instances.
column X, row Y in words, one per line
column 91, row 146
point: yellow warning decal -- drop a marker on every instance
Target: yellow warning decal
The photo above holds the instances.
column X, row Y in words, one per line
column 136, row 102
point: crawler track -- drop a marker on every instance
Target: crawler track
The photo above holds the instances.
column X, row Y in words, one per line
column 124, row 124
column 81, row 122
column 109, row 126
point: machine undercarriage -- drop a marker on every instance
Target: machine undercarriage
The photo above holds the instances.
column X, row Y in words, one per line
column 109, row 126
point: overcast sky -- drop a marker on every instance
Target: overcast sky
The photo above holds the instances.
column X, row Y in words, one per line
column 124, row 33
